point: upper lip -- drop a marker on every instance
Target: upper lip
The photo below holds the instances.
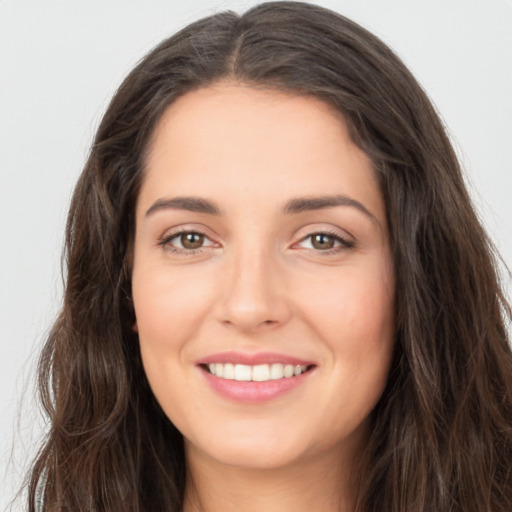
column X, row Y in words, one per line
column 253, row 359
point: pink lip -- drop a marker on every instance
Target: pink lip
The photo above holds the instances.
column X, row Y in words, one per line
column 253, row 359
column 253, row 392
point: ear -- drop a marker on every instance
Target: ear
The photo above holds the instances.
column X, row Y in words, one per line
column 135, row 327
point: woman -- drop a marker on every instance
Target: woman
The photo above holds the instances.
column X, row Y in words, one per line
column 278, row 292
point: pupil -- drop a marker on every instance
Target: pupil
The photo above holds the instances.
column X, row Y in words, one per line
column 322, row 241
column 192, row 240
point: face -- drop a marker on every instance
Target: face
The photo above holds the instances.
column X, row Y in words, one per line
column 263, row 283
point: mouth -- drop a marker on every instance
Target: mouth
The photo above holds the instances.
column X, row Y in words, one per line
column 255, row 378
column 256, row 373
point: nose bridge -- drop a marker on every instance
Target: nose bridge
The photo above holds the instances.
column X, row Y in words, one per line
column 253, row 295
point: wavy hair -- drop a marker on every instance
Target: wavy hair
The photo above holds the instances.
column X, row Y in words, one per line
column 442, row 432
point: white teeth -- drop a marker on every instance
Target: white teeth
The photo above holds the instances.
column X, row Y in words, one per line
column 229, row 371
column 242, row 372
column 258, row 373
column 288, row 370
column 261, row 372
column 276, row 371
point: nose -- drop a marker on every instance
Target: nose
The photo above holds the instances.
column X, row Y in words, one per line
column 254, row 293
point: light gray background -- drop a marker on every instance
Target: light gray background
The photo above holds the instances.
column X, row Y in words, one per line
column 60, row 62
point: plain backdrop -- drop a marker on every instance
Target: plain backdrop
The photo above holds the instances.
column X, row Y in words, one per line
column 61, row 61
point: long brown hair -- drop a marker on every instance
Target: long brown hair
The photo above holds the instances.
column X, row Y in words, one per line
column 442, row 432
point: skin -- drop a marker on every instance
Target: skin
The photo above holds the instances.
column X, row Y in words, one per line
column 260, row 283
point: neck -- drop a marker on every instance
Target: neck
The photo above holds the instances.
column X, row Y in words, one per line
column 323, row 484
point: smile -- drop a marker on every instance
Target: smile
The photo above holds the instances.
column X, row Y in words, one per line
column 255, row 383
column 256, row 373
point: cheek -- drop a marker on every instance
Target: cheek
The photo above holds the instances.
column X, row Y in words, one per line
column 354, row 316
column 170, row 306
column 167, row 307
column 168, row 312
column 357, row 307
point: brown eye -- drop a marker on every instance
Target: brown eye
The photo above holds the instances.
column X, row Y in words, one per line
column 186, row 242
column 191, row 240
column 322, row 241
column 328, row 243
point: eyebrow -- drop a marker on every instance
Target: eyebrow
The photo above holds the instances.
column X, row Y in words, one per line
column 302, row 204
column 191, row 204
column 294, row 206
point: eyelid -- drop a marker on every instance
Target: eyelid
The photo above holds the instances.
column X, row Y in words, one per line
column 328, row 229
column 186, row 228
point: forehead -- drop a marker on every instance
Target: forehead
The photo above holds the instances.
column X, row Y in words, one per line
column 255, row 142
column 226, row 112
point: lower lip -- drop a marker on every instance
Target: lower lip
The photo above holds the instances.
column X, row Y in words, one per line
column 251, row 392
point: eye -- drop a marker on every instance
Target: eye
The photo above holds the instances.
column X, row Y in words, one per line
column 186, row 242
column 325, row 242
column 190, row 240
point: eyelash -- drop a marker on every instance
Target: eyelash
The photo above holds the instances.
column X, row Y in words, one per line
column 165, row 242
column 344, row 244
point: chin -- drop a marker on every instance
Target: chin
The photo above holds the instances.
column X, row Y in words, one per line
column 250, row 451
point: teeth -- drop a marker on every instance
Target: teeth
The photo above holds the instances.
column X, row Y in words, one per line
column 258, row 373
column 261, row 372
column 276, row 371
column 229, row 371
column 242, row 372
column 288, row 371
